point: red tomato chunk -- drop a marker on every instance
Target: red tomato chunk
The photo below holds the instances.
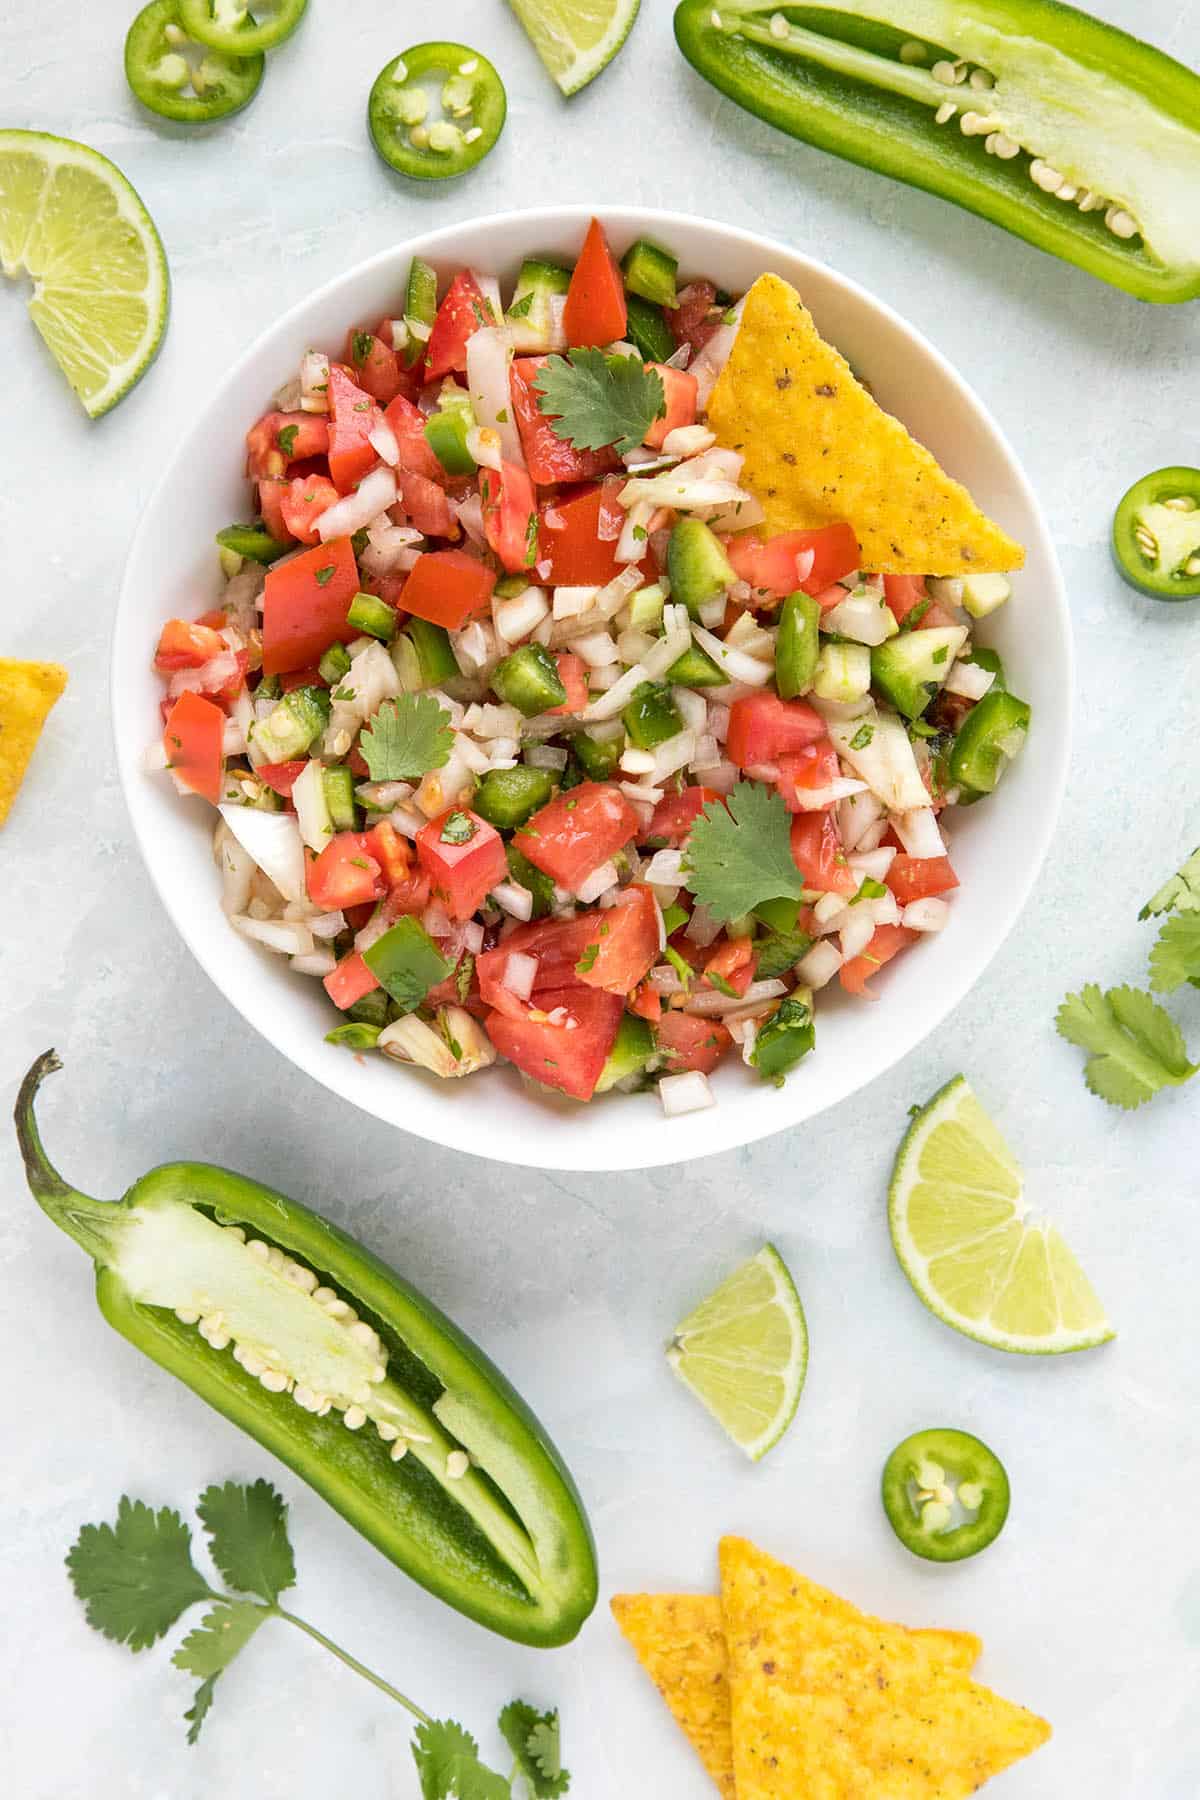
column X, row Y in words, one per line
column 578, row 831
column 762, row 728
column 345, row 874
column 563, row 1041
column 691, row 1042
column 192, row 738
column 595, row 312
column 305, row 602
column 447, row 587
column 463, row 873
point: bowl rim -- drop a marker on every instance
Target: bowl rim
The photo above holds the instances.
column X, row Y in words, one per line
column 668, row 1148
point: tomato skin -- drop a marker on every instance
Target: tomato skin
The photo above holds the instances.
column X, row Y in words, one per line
column 344, row 874
column 815, row 766
column 618, row 944
column 390, row 851
column 462, row 874
column 302, row 502
column 510, row 515
column 576, row 832
column 919, row 877
column 691, row 1042
column 595, row 311
column 349, row 981
column 577, row 538
column 426, row 504
column 762, row 728
column 572, row 672
column 817, row 853
column 693, row 321
column 462, row 313
column 281, row 777
column 447, row 587
column 375, row 364
column 354, row 416
column 182, row 645
column 266, row 459
column 270, row 506
column 303, row 615
column 407, row 424
column 674, row 817
column 770, row 564
column 626, row 940
column 559, row 1056
column 680, row 390
column 548, row 458
column 733, row 962
column 192, row 737
column 888, row 941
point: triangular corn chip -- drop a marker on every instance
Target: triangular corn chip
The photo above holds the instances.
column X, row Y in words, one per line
column 829, row 1703
column 27, row 692
column 818, row 448
column 680, row 1642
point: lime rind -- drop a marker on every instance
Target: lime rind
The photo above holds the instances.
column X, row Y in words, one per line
column 71, row 221
column 576, row 39
column 960, row 1226
column 743, row 1352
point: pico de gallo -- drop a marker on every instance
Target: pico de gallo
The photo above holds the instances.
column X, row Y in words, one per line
column 525, row 741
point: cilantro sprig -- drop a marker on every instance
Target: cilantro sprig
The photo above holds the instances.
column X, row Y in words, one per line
column 1135, row 1047
column 406, row 738
column 136, row 1579
column 1175, row 958
column 740, row 853
column 593, row 400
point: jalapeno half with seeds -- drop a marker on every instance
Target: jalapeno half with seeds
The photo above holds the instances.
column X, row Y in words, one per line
column 194, row 88
column 229, row 26
column 436, row 111
column 1156, row 534
column 945, row 1494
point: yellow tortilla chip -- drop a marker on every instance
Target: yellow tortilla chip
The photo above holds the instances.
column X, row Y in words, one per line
column 818, row 449
column 680, row 1642
column 27, row 692
column 833, row 1705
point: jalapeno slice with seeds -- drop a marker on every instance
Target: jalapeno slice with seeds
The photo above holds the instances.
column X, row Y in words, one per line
column 228, row 25
column 945, row 1494
column 194, row 89
column 1156, row 534
column 436, row 110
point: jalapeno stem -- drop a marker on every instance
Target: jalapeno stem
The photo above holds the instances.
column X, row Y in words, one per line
column 90, row 1222
column 352, row 1662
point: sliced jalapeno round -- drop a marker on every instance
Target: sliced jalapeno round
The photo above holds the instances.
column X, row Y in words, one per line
column 229, row 26
column 945, row 1494
column 1156, row 534
column 436, row 110
column 195, row 89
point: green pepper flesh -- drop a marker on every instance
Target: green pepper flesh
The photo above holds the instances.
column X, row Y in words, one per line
column 966, row 1516
column 195, row 92
column 1156, row 534
column 416, row 143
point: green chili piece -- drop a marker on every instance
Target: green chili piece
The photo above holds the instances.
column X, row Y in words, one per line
column 945, row 1494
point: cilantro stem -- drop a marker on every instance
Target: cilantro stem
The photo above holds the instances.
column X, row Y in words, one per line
column 352, row 1662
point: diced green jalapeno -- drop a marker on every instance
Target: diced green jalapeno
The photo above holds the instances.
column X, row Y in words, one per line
column 1156, row 534
column 696, row 669
column 507, row 797
column 990, row 736
column 354, row 1036
column 529, row 680
column 945, row 1494
column 334, row 664
column 446, row 434
column 598, row 757
column 785, row 1039
column 338, row 783
column 648, row 330
column 399, row 110
column 253, row 542
column 407, row 962
column 527, row 875
column 435, row 653
column 651, row 716
column 989, row 661
column 374, row 616
column 211, row 86
column 797, row 645
column 296, row 722
column 372, row 1009
column 420, row 307
column 650, row 273
column 632, row 1049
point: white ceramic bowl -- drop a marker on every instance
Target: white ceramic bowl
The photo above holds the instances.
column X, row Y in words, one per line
column 998, row 847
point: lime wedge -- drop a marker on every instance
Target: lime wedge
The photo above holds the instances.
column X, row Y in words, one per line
column 961, row 1229
column 69, row 219
column 744, row 1352
column 576, row 39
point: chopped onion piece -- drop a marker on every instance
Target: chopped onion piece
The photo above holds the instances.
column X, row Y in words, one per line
column 488, row 353
column 665, row 869
column 969, row 680
column 287, row 939
column 637, row 762
column 918, row 832
column 930, row 914
column 856, row 816
column 665, row 981
column 857, row 932
column 273, row 841
column 735, row 663
column 819, row 965
column 702, row 929
column 573, row 602
column 520, row 972
column 872, row 865
column 710, row 1004
column 864, row 617
column 515, row 619
column 314, row 382
column 469, row 513
column 685, row 1093
column 597, row 649
column 484, row 445
column 713, row 356
column 885, row 761
column 675, row 753
column 607, row 705
column 688, row 440
column 374, row 494
column 593, row 886
column 319, row 963
column 818, row 799
column 383, row 442
column 237, row 869
column 515, row 900
column 546, row 756
column 828, row 908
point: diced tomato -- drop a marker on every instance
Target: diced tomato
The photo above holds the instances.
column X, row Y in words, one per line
column 270, row 505
column 192, row 738
column 280, row 438
column 694, row 320
column 462, row 313
column 904, row 593
column 548, row 458
column 229, row 689
column 463, row 874
column 622, row 944
column 354, row 416
column 691, row 1042
column 305, row 602
column 887, row 942
column 426, row 504
column 812, row 768
column 577, row 831
column 674, row 817
column 216, row 620
column 349, row 981
column 375, row 364
column 577, row 538
column 595, row 310
column 568, row 1054
column 310, row 676
column 572, row 672
column 556, row 945
column 680, row 390
column 646, row 1002
column 919, row 877
column 607, row 947
column 411, row 894
column 762, row 728
column 447, row 587
column 281, row 777
column 731, row 962
column 390, row 851
column 818, row 854
column 510, row 515
column 345, row 873
column 303, row 502
column 770, row 564
column 182, row 645
column 408, row 428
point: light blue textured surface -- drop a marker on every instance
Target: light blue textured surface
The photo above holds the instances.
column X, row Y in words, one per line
column 1090, row 1604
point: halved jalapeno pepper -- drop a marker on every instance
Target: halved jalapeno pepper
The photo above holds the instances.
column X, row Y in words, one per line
column 436, row 110
column 1156, row 534
column 194, row 89
column 229, row 26
column 945, row 1494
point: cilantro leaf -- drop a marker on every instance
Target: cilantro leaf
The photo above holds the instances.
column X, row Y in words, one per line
column 447, row 1759
column 593, row 400
column 211, row 1647
column 1180, row 894
column 1175, row 957
column 740, row 854
column 247, row 1527
column 137, row 1577
column 533, row 1739
column 198, row 1711
column 1136, row 1047
column 406, row 738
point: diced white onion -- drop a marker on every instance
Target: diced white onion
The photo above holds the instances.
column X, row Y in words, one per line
column 327, row 925
column 722, row 777
column 930, row 914
column 573, row 602
column 546, row 756
column 273, row 841
column 872, row 865
column 969, row 680
column 702, row 929
column 885, row 761
column 381, row 796
column 637, row 762
column 666, row 650
column 407, row 820
column 665, row 869
column 593, row 885
column 819, row 965
column 475, row 647
column 515, row 900
column 631, row 545
column 515, row 619
column 713, row 356
column 520, row 972
column 734, row 663
column 711, row 1004
column 885, row 910
column 288, row 939
column 685, row 1093
column 864, row 617
column 856, row 816
column 596, row 649
column 607, row 705
column 665, row 980
column 469, row 513
column 237, row 869
column 818, row 799
column 688, row 440
column 319, row 963
column 488, row 354
column 829, row 908
column 675, row 753
column 373, row 495
column 918, row 832
column 314, row 382
column 857, row 932
column 383, row 442
column 312, row 810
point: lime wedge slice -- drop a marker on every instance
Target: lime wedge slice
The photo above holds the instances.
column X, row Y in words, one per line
column 576, row 39
column 961, row 1229
column 69, row 219
column 744, row 1352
